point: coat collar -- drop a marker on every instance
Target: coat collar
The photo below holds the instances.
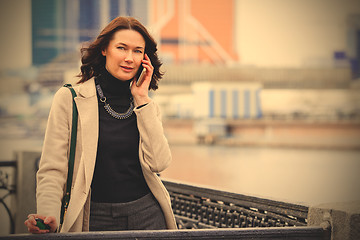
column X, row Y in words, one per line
column 87, row 89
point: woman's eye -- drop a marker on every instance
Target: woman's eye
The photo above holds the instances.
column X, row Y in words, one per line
column 138, row 51
column 121, row 48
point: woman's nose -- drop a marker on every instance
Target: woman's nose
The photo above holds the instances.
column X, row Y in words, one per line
column 129, row 56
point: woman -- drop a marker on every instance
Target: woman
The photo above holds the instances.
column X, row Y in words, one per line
column 120, row 142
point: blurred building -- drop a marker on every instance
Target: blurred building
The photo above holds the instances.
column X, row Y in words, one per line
column 264, row 34
column 284, row 46
column 60, row 26
column 197, row 31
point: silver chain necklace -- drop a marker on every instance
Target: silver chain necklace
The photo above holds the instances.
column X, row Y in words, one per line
column 111, row 111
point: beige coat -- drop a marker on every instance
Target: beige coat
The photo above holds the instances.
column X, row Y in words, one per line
column 154, row 154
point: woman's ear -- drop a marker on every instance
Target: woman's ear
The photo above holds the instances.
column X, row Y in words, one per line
column 103, row 52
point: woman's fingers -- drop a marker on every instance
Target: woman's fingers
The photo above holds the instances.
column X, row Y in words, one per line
column 51, row 221
column 146, row 63
column 32, row 227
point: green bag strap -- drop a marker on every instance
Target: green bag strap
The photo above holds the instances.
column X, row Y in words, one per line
column 66, row 198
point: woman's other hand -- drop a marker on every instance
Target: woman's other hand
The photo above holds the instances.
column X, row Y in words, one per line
column 30, row 223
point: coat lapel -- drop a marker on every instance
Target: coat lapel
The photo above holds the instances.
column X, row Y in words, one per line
column 87, row 105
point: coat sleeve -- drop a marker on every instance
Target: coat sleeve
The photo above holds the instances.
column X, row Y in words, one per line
column 154, row 145
column 52, row 173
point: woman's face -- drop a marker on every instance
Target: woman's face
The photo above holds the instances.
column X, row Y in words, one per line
column 124, row 54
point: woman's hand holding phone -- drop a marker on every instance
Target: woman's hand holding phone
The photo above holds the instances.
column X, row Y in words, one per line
column 140, row 89
column 40, row 224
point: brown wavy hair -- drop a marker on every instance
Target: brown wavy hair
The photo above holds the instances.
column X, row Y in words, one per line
column 93, row 62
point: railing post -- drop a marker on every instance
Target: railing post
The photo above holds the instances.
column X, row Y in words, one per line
column 27, row 165
column 342, row 218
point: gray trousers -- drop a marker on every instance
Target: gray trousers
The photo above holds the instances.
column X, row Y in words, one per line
column 142, row 214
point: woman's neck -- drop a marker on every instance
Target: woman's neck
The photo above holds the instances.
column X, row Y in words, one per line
column 114, row 86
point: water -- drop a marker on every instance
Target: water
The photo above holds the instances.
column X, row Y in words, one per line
column 304, row 176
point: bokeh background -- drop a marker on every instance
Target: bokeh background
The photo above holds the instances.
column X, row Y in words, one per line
column 259, row 97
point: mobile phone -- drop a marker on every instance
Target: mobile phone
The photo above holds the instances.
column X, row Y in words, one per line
column 141, row 75
column 40, row 224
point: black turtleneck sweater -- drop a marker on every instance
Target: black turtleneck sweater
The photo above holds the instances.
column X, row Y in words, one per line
column 117, row 176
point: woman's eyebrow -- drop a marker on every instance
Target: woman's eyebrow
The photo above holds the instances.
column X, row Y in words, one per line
column 138, row 47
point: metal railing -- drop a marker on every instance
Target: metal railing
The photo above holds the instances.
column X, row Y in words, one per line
column 8, row 189
column 197, row 207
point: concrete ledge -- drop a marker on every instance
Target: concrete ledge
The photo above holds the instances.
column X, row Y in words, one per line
column 273, row 233
column 342, row 218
